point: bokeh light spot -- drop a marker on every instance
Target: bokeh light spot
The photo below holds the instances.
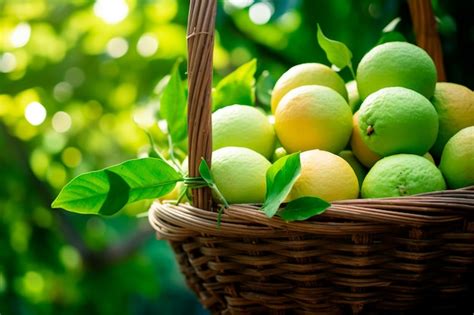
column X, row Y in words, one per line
column 240, row 4
column 61, row 122
column 33, row 282
column 56, row 175
column 20, row 35
column 70, row 257
column 147, row 45
column 39, row 162
column 62, row 91
column 71, row 157
column 53, row 142
column 35, row 113
column 7, row 62
column 111, row 11
column 117, row 47
column 260, row 13
column 20, row 236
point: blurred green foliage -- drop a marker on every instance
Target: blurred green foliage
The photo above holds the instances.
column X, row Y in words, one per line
column 80, row 80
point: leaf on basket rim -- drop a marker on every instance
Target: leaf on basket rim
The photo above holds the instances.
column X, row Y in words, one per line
column 280, row 178
column 303, row 208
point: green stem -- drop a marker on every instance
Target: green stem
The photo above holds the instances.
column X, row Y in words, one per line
column 219, row 195
column 352, row 71
column 171, row 152
column 181, row 196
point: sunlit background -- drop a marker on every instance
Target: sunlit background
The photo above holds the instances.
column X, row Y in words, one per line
column 80, row 82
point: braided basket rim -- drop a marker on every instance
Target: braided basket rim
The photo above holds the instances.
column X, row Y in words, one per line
column 177, row 222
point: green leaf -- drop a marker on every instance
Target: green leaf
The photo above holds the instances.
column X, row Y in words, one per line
column 236, row 88
column 280, row 178
column 206, row 175
column 205, row 172
column 391, row 37
column 303, row 208
column 337, row 52
column 173, row 105
column 107, row 191
column 265, row 83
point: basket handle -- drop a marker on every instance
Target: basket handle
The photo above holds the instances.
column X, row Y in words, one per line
column 427, row 37
column 200, row 38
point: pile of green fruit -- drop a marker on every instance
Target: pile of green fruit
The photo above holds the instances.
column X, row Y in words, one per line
column 378, row 136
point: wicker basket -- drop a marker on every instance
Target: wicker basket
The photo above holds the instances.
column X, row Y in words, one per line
column 395, row 255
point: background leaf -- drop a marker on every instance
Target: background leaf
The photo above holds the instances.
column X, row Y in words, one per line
column 173, row 105
column 280, row 178
column 337, row 52
column 303, row 208
column 238, row 87
column 265, row 83
column 108, row 190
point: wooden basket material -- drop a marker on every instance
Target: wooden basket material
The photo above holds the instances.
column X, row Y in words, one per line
column 377, row 256
column 411, row 254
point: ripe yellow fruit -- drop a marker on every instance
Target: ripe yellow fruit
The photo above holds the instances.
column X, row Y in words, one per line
column 239, row 174
column 307, row 74
column 396, row 64
column 362, row 152
column 243, row 126
column 325, row 175
column 313, row 117
column 457, row 160
column 455, row 106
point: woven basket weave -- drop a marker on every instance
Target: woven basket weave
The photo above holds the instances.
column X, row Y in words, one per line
column 372, row 256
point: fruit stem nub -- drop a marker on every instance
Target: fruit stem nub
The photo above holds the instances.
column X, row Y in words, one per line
column 370, row 130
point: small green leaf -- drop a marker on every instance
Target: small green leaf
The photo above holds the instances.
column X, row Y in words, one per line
column 280, row 178
column 206, row 175
column 205, row 172
column 238, row 87
column 391, row 37
column 337, row 52
column 107, row 191
column 265, row 83
column 173, row 105
column 303, row 208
